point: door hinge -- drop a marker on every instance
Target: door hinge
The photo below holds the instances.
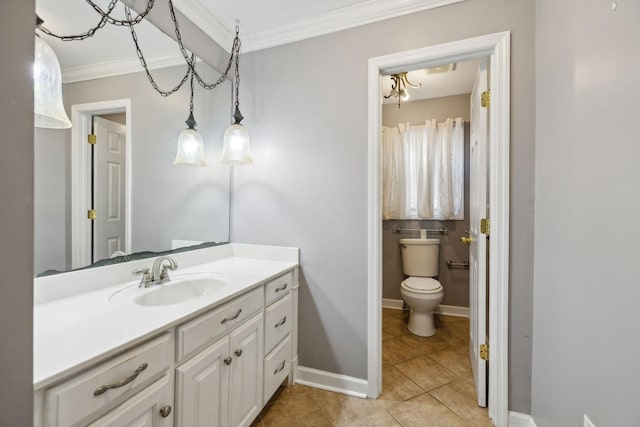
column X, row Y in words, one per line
column 485, row 99
column 91, row 139
column 484, row 352
column 485, row 225
column 92, row 214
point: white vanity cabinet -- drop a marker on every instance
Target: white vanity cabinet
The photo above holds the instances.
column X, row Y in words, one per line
column 217, row 368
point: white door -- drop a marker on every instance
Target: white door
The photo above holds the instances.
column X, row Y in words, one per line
column 478, row 248
column 109, row 188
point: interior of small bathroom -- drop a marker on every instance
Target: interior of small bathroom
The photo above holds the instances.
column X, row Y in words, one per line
column 425, row 170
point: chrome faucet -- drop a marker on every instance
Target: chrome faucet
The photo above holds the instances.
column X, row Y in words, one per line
column 158, row 273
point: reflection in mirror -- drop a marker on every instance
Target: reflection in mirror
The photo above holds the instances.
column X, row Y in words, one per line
column 148, row 203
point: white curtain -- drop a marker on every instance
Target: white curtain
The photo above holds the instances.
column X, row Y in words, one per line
column 393, row 174
column 428, row 181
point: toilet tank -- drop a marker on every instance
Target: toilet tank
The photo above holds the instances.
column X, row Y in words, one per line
column 420, row 257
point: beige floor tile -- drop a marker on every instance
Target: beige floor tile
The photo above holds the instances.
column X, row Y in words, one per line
column 426, row 372
column 377, row 419
column 398, row 387
column 398, row 350
column 293, row 407
column 425, row 411
column 426, row 345
column 394, row 325
column 453, row 359
column 460, row 397
column 344, row 409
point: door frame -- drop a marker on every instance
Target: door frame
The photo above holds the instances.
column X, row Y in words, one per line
column 497, row 47
column 81, row 117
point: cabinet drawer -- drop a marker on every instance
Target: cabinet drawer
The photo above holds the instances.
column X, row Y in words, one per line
column 72, row 401
column 194, row 335
column 152, row 407
column 278, row 287
column 278, row 322
column 277, row 366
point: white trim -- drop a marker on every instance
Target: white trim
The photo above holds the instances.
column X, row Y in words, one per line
column 446, row 310
column 358, row 14
column 452, row 310
column 118, row 67
column 517, row 419
column 80, row 184
column 394, row 304
column 332, row 382
column 497, row 47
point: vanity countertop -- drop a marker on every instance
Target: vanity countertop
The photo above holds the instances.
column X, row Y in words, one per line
column 73, row 332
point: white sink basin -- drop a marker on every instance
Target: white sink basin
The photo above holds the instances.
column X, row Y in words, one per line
column 180, row 289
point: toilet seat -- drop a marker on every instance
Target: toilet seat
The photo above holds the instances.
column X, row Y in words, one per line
column 422, row 285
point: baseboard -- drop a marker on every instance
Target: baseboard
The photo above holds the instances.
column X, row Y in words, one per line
column 332, row 382
column 517, row 419
column 447, row 310
column 395, row 304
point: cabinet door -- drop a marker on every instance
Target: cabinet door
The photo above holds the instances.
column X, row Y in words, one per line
column 247, row 351
column 149, row 408
column 202, row 388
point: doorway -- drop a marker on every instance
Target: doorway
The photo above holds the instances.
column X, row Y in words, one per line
column 496, row 48
column 91, row 239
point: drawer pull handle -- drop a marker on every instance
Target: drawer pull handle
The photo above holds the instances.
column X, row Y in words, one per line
column 165, row 411
column 234, row 317
column 227, row 361
column 282, row 288
column 281, row 322
column 280, row 368
column 103, row 388
column 238, row 352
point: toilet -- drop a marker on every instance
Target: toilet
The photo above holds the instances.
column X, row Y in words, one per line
column 420, row 290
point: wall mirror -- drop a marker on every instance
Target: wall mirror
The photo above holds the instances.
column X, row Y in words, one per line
column 106, row 92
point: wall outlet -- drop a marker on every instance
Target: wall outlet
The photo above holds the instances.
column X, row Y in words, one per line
column 587, row 422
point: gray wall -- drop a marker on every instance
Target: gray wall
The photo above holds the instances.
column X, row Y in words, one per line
column 415, row 112
column 168, row 202
column 308, row 187
column 586, row 293
column 455, row 281
column 16, row 214
column 50, row 197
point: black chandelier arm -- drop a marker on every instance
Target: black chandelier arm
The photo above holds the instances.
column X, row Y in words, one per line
column 122, row 22
column 143, row 62
column 88, row 33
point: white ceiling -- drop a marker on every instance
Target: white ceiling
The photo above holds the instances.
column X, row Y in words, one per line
column 262, row 24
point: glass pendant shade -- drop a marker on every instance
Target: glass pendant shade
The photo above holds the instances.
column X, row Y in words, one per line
column 190, row 149
column 236, row 149
column 48, row 108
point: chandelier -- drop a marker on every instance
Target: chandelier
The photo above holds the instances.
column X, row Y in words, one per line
column 399, row 87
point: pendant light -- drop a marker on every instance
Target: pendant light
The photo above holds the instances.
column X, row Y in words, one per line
column 47, row 88
column 236, row 149
column 190, row 143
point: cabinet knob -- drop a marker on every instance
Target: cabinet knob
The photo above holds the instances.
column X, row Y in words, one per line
column 165, row 411
column 227, row 360
column 238, row 352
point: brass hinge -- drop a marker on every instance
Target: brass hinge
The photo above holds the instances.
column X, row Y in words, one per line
column 485, row 98
column 484, row 352
column 485, row 224
column 91, row 139
column 92, row 214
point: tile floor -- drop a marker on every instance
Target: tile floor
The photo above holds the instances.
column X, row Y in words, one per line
column 425, row 382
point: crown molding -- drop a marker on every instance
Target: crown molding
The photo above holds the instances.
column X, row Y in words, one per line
column 117, row 68
column 329, row 22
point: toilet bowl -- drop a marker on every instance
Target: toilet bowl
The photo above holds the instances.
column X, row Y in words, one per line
column 422, row 295
column 420, row 290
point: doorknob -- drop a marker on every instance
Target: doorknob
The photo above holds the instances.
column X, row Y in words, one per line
column 465, row 240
